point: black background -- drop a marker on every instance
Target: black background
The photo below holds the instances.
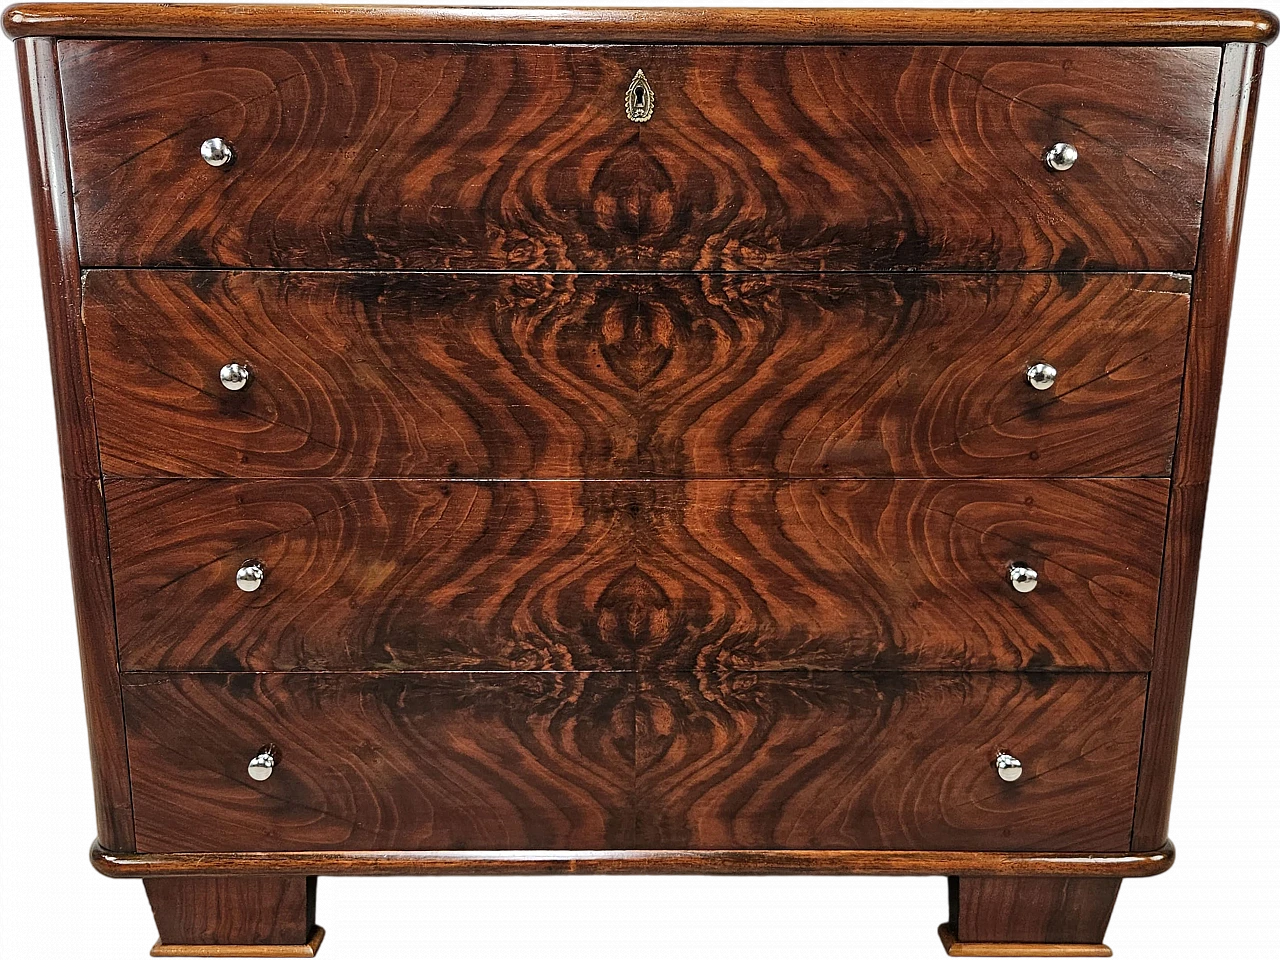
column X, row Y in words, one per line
column 1156, row 918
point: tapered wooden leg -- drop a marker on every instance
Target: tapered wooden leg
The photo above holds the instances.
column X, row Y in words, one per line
column 1028, row 916
column 235, row 916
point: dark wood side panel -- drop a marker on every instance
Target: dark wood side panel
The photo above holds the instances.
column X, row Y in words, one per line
column 1210, row 314
column 240, row 911
column 639, row 24
column 368, row 762
column 865, row 761
column 521, row 157
column 77, row 440
column 754, row 575
column 1047, row 910
column 562, row 376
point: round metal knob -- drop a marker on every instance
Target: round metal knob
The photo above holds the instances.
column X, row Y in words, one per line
column 1061, row 156
column 262, row 766
column 216, row 152
column 250, row 575
column 1023, row 578
column 1008, row 766
column 1042, row 376
column 236, row 376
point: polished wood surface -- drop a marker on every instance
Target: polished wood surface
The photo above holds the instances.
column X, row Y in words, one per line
column 885, row 760
column 755, row 575
column 307, row 949
column 955, row 948
column 439, row 761
column 1054, row 911
column 521, row 157
column 200, row 912
column 641, row 24
column 1206, row 353
column 884, row 863
column 517, row 375
column 77, row 439
column 538, row 761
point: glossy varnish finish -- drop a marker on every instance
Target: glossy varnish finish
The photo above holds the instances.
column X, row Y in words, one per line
column 544, row 761
column 77, row 440
column 1206, row 354
column 643, row 24
column 520, row 157
column 390, row 374
column 880, row 863
column 735, row 574
column 854, row 761
column 469, row 761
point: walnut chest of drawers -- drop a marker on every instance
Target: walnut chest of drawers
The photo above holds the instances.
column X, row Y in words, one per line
column 635, row 440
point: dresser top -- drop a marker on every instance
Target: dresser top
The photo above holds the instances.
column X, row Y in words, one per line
column 639, row 25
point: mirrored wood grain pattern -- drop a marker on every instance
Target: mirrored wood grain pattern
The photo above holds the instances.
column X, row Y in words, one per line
column 755, row 575
column 387, row 374
column 443, row 156
column 625, row 761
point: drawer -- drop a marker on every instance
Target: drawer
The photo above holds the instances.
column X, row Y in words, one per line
column 434, row 761
column 457, row 156
column 756, row 575
column 599, row 761
column 887, row 761
column 563, row 376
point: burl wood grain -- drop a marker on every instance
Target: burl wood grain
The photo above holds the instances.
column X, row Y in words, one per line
column 883, row 760
column 545, row 761
column 758, row 157
column 367, row 762
column 391, row 575
column 388, row 374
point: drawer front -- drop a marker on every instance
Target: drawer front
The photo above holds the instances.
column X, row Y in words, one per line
column 867, row 761
column 756, row 575
column 580, row 761
column 461, row 761
column 445, row 156
column 562, row 376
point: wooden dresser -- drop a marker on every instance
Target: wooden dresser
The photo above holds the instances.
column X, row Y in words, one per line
column 739, row 441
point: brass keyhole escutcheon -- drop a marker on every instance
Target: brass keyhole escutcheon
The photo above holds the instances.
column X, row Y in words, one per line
column 639, row 99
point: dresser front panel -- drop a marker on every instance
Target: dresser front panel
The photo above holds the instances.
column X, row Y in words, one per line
column 545, row 761
column 631, row 376
column 458, row 156
column 754, row 575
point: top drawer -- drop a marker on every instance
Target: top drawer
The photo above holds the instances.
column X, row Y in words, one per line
column 460, row 156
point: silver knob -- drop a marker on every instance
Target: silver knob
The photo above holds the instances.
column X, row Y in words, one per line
column 216, row 152
column 250, row 575
column 1008, row 766
column 236, row 376
column 262, row 766
column 1023, row 578
column 1042, row 376
column 1061, row 156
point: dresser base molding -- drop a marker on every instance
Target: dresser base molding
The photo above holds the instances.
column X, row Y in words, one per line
column 957, row 948
column 911, row 863
column 307, row 949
